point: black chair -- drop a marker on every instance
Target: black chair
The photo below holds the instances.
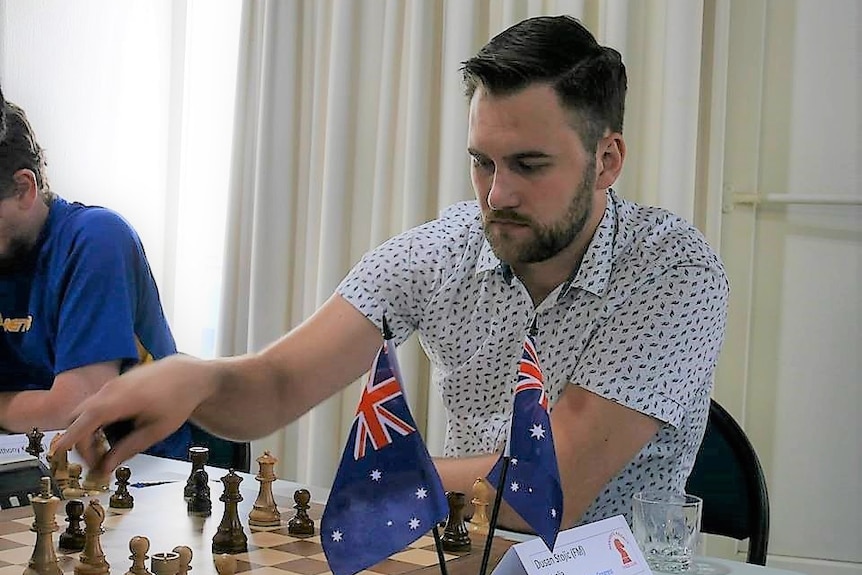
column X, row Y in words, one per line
column 222, row 452
column 728, row 477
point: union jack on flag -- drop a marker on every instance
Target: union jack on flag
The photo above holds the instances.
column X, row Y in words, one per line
column 373, row 420
column 532, row 483
column 386, row 492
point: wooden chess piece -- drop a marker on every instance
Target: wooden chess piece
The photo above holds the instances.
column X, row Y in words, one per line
column 455, row 538
column 230, row 537
column 225, row 564
column 100, row 481
column 165, row 563
column 138, row 547
column 72, row 539
column 58, row 462
column 185, row 563
column 301, row 524
column 34, row 442
column 200, row 504
column 199, row 456
column 121, row 498
column 74, row 488
column 265, row 512
column 482, row 491
column 43, row 561
column 92, row 559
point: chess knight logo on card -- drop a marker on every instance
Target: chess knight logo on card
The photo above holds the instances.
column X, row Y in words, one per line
column 617, row 542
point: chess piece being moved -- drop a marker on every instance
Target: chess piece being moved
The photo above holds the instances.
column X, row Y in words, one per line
column 72, row 539
column 165, row 563
column 97, row 481
column 455, row 538
column 481, row 499
column 200, row 504
column 58, row 462
column 74, row 489
column 138, row 547
column 265, row 511
column 198, row 456
column 185, row 562
column 301, row 524
column 121, row 498
column 92, row 559
column 43, row 561
column 230, row 537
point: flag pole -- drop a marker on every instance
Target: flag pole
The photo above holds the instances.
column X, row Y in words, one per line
column 441, row 560
column 495, row 511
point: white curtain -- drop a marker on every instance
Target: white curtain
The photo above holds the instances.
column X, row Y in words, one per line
column 351, row 127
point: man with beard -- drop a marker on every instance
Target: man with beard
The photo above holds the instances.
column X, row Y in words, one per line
column 78, row 303
column 628, row 302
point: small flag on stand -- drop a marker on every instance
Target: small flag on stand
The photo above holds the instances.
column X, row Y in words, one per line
column 386, row 492
column 532, row 479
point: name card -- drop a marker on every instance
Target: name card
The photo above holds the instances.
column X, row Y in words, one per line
column 606, row 547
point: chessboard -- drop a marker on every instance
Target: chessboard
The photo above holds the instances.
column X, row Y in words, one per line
column 160, row 514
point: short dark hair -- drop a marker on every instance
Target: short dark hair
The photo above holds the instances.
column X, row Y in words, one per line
column 2, row 115
column 590, row 79
column 19, row 150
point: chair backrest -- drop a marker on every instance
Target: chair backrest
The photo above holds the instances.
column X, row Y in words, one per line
column 728, row 477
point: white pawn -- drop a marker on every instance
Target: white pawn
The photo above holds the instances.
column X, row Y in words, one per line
column 139, row 545
column 185, row 554
column 225, row 564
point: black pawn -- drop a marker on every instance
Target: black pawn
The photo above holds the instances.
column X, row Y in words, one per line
column 456, row 538
column 122, row 499
column 73, row 538
column 301, row 524
column 200, row 504
column 199, row 456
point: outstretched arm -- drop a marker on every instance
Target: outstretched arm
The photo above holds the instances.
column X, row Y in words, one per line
column 241, row 398
column 20, row 411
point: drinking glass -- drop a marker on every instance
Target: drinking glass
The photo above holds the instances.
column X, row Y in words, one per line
column 666, row 526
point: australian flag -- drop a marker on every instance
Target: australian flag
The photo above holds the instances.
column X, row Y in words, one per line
column 387, row 492
column 532, row 485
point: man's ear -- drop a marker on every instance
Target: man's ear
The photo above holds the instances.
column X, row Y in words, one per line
column 26, row 188
column 610, row 154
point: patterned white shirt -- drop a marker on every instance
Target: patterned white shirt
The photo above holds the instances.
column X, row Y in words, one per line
column 640, row 323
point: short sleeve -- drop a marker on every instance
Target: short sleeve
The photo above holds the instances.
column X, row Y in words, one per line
column 657, row 351
column 98, row 290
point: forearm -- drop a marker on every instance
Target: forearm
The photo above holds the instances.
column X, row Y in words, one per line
column 20, row 411
column 459, row 474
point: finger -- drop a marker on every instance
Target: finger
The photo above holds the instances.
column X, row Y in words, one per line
column 137, row 440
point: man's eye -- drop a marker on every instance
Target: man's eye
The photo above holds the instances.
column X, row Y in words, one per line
column 528, row 168
column 482, row 163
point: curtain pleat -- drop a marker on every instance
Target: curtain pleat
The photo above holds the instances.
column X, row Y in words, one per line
column 351, row 127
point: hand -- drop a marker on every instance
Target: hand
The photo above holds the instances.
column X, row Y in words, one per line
column 152, row 401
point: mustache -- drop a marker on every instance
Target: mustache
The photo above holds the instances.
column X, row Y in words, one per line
column 507, row 216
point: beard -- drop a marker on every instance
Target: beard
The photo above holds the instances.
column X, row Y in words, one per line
column 17, row 256
column 547, row 240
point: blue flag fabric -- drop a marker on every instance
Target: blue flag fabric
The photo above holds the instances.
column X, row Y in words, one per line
column 386, row 492
column 532, row 486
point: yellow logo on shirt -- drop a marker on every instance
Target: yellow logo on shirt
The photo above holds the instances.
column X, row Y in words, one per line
column 12, row 325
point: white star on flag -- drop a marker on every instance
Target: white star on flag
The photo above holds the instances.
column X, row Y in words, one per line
column 376, row 474
column 421, row 493
column 537, row 431
column 414, row 524
column 515, row 486
column 336, row 535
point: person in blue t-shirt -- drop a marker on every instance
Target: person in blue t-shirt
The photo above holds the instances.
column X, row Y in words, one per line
column 78, row 302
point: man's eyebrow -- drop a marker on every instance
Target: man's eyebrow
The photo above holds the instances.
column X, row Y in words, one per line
column 525, row 155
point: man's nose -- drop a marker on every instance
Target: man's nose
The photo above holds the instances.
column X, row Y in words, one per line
column 502, row 194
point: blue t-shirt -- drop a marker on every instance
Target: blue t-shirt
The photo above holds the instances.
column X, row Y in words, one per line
column 84, row 295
